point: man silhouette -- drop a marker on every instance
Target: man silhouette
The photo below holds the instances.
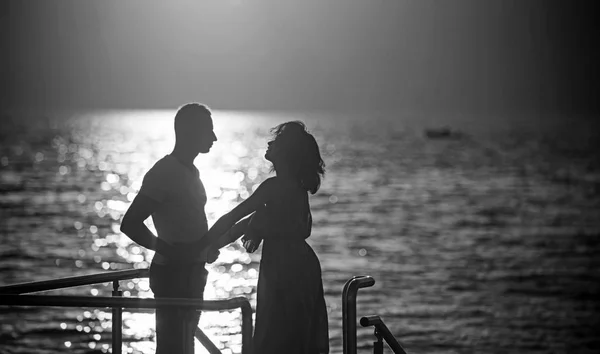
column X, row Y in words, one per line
column 173, row 194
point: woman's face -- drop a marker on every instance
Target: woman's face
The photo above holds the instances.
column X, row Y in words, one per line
column 273, row 150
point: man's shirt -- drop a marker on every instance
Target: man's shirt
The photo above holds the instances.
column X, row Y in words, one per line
column 180, row 217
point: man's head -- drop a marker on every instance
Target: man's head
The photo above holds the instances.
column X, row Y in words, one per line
column 194, row 128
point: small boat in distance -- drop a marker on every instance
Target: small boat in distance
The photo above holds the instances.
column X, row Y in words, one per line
column 442, row 133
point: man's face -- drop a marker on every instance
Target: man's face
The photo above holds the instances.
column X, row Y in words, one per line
column 203, row 134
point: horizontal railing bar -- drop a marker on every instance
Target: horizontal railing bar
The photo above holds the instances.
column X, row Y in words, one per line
column 69, row 282
column 139, row 303
column 377, row 322
column 124, row 302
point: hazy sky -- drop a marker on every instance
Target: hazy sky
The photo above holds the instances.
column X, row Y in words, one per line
column 444, row 55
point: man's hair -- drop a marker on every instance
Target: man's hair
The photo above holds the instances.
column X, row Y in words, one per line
column 189, row 113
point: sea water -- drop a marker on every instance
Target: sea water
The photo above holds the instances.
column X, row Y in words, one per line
column 483, row 241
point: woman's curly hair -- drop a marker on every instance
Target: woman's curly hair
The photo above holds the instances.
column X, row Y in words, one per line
column 300, row 154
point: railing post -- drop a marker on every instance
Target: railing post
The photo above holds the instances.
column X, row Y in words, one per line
column 349, row 310
column 378, row 345
column 247, row 341
column 117, row 322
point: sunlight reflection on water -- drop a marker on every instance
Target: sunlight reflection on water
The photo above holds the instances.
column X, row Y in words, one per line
column 236, row 158
column 472, row 242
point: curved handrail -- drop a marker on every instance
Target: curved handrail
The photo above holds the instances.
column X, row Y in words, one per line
column 10, row 296
column 139, row 303
column 382, row 330
column 349, row 310
column 68, row 282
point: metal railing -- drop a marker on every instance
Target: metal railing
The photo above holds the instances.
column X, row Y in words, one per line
column 12, row 295
column 349, row 310
column 381, row 330
column 70, row 282
column 349, row 319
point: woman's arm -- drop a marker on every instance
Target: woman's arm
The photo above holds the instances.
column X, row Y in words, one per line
column 233, row 234
column 260, row 197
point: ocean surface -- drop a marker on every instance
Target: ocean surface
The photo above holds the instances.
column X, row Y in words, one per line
column 484, row 241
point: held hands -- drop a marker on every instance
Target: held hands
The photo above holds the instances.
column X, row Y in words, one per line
column 250, row 244
column 257, row 227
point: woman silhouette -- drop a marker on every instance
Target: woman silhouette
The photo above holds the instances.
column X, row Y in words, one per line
column 291, row 316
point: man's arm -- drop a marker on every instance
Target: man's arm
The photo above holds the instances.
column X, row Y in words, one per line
column 133, row 226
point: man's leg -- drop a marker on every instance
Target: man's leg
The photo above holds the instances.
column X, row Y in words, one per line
column 175, row 327
column 194, row 290
column 166, row 282
column 170, row 331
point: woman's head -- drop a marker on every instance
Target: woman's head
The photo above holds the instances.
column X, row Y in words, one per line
column 294, row 151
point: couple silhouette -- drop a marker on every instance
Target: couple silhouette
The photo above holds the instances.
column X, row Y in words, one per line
column 291, row 315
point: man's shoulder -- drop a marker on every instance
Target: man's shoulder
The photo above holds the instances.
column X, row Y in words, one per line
column 161, row 168
column 164, row 164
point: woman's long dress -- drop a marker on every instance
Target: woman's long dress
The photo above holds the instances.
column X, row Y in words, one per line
column 291, row 316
